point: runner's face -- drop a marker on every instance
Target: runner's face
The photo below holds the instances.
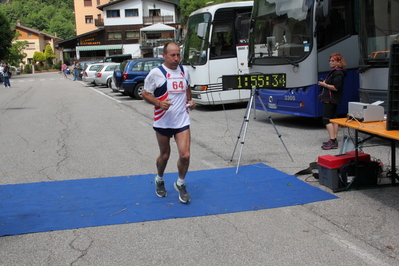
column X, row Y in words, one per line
column 172, row 56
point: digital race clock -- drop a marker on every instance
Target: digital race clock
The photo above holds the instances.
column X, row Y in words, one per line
column 254, row 80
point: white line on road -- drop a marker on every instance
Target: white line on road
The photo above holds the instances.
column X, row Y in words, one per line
column 105, row 95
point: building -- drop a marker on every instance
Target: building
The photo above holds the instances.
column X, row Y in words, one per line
column 127, row 27
column 37, row 42
column 87, row 16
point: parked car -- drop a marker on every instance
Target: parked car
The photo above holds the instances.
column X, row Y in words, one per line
column 84, row 64
column 119, row 58
column 15, row 69
column 91, row 70
column 129, row 77
column 104, row 74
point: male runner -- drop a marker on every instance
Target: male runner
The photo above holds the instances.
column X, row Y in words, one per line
column 167, row 88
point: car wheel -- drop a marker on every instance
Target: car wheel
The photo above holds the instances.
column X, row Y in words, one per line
column 108, row 83
column 138, row 91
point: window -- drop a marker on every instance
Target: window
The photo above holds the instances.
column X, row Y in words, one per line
column 31, row 46
column 114, row 35
column 29, row 34
column 151, row 64
column 87, row 3
column 137, row 66
column 113, row 13
column 131, row 12
column 89, row 19
column 155, row 12
column 132, row 34
column 111, row 68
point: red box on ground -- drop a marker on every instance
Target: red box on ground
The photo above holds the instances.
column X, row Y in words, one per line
column 328, row 166
column 336, row 161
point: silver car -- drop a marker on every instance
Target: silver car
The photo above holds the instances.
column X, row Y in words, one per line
column 104, row 74
column 90, row 72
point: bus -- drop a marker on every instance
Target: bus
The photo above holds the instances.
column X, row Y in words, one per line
column 293, row 41
column 379, row 28
column 215, row 46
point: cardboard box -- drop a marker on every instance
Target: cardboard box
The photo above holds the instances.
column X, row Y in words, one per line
column 328, row 166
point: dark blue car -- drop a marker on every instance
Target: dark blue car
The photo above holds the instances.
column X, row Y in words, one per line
column 129, row 77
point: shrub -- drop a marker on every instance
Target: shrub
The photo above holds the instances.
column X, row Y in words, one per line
column 58, row 65
column 28, row 69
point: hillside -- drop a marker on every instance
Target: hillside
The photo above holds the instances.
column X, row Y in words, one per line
column 55, row 17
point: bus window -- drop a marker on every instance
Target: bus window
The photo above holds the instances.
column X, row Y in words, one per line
column 221, row 42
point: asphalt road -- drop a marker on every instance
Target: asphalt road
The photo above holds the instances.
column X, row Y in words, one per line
column 54, row 128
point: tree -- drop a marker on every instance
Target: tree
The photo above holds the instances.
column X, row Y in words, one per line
column 17, row 53
column 189, row 6
column 50, row 16
column 6, row 36
column 39, row 57
column 49, row 54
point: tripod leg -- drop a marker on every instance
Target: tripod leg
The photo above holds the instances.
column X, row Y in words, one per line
column 239, row 134
column 271, row 121
column 244, row 122
column 254, row 106
column 245, row 127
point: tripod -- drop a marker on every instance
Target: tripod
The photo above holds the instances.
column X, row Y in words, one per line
column 245, row 122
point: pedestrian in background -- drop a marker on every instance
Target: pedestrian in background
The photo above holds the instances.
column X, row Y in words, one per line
column 75, row 71
column 64, row 69
column 78, row 70
column 167, row 88
column 331, row 96
column 6, row 76
column 1, row 72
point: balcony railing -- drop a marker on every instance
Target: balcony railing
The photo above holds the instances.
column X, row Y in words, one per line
column 99, row 22
column 153, row 42
column 158, row 19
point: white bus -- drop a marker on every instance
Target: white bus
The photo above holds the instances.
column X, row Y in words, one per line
column 215, row 46
column 379, row 28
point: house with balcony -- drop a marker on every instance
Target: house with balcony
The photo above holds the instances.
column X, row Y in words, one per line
column 126, row 27
column 36, row 41
column 87, row 16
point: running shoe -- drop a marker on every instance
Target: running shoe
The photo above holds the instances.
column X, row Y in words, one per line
column 330, row 145
column 184, row 197
column 324, row 143
column 160, row 188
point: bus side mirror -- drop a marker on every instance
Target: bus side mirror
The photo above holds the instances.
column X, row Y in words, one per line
column 201, row 30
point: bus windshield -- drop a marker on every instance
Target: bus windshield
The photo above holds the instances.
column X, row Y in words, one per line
column 196, row 42
column 281, row 32
column 379, row 29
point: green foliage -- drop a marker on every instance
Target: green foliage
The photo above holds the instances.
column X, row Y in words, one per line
column 16, row 53
column 55, row 17
column 49, row 54
column 189, row 6
column 28, row 69
column 6, row 36
column 39, row 57
column 58, row 65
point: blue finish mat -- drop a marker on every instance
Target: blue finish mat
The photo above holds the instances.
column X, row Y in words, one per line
column 70, row 204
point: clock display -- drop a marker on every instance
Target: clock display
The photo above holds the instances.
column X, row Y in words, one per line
column 265, row 81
